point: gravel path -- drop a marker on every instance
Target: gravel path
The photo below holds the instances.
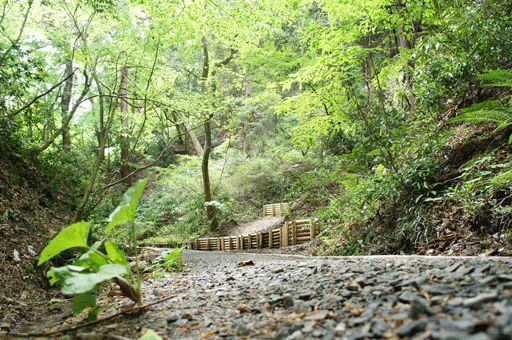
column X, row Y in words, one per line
column 260, row 296
column 291, row 297
column 264, row 223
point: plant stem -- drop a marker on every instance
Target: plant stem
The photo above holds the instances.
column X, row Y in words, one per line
column 134, row 242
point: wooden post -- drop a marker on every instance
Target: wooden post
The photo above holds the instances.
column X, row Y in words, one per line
column 284, row 235
column 294, row 233
column 197, row 244
column 260, row 240
column 270, row 239
column 312, row 232
column 239, row 244
column 249, row 243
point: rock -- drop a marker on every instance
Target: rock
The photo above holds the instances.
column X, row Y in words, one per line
column 297, row 335
column 288, row 300
column 411, row 328
column 418, row 309
column 173, row 318
column 478, row 300
column 408, row 296
column 309, row 327
column 320, row 315
column 302, row 308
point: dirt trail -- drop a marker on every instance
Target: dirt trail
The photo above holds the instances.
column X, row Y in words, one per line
column 265, row 223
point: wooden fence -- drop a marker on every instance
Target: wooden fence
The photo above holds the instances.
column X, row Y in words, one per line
column 293, row 232
column 278, row 209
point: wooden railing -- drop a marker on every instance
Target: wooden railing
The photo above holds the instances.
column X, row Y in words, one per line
column 278, row 209
column 293, row 232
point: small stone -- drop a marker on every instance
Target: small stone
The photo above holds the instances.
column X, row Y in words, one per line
column 478, row 300
column 320, row 315
column 297, row 335
column 306, row 295
column 302, row 307
column 341, row 327
column 180, row 322
column 479, row 336
column 418, row 309
column 408, row 296
column 411, row 328
column 309, row 327
column 288, row 300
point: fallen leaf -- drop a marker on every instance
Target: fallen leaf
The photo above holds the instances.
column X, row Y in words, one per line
column 243, row 309
column 16, row 256
column 127, row 289
column 31, row 251
column 245, row 263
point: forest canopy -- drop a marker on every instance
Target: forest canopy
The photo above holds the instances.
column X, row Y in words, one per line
column 343, row 105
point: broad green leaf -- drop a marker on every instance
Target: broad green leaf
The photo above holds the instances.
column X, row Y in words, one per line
column 78, row 282
column 150, row 335
column 125, row 211
column 91, row 259
column 58, row 274
column 115, row 254
column 72, row 236
column 83, row 301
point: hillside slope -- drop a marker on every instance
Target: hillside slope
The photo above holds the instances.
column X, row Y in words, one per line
column 31, row 212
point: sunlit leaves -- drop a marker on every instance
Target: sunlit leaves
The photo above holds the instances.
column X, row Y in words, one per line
column 77, row 280
column 72, row 236
column 125, row 211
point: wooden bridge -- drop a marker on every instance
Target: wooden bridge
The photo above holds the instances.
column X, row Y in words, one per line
column 293, row 232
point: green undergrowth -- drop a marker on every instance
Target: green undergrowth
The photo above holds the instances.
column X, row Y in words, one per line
column 384, row 213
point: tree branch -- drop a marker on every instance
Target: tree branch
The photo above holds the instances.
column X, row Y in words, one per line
column 42, row 95
column 15, row 42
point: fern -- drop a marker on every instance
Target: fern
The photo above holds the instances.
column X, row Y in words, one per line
column 497, row 78
column 490, row 110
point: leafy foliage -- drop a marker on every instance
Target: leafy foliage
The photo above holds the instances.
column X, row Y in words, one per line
column 491, row 110
column 92, row 268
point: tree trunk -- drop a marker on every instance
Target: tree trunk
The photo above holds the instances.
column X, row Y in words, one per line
column 65, row 102
column 210, row 209
column 125, row 143
column 99, row 158
column 245, row 119
column 192, row 134
column 407, row 44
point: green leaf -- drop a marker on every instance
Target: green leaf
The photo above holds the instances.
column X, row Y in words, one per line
column 150, row 335
column 91, row 259
column 72, row 236
column 125, row 211
column 93, row 314
column 79, row 282
column 115, row 254
column 83, row 301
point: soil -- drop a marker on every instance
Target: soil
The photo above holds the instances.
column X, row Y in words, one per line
column 31, row 212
